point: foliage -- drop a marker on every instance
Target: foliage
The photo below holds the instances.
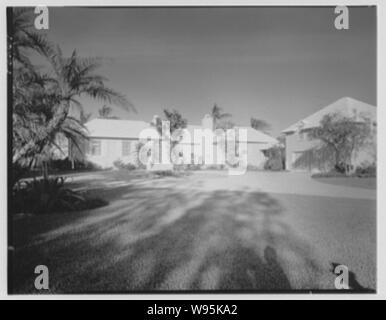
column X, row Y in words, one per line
column 105, row 113
column 343, row 135
column 164, row 173
column 260, row 125
column 125, row 166
column 175, row 119
column 276, row 159
column 43, row 196
column 44, row 101
column 221, row 119
column 366, row 170
column 66, row 165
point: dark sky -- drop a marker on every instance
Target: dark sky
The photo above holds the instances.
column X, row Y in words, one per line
column 277, row 64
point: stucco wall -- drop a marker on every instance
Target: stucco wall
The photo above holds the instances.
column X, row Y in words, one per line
column 111, row 151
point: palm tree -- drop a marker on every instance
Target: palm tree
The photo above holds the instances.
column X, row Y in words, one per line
column 22, row 38
column 218, row 116
column 84, row 117
column 43, row 103
column 70, row 78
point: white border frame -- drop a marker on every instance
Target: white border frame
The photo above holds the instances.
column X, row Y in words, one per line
column 381, row 158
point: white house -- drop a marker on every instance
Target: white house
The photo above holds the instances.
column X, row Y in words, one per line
column 301, row 152
column 111, row 140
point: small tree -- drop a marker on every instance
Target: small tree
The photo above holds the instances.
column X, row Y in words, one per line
column 342, row 135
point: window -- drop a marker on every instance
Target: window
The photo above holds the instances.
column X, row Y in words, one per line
column 125, row 148
column 95, row 147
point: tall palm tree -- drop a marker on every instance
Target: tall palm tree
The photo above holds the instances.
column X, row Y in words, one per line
column 42, row 103
column 218, row 115
column 22, row 39
column 70, row 78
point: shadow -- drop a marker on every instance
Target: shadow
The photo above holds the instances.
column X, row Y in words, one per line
column 157, row 236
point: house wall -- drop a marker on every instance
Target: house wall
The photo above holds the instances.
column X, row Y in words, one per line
column 255, row 154
column 111, row 151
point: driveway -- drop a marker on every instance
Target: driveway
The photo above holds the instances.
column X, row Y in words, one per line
column 203, row 231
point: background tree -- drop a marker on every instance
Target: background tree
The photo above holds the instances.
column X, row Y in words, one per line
column 342, row 135
column 43, row 102
column 175, row 119
column 106, row 113
column 219, row 117
column 260, row 125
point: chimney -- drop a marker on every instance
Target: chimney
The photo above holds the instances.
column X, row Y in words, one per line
column 207, row 122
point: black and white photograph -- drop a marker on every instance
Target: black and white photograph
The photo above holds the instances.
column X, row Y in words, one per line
column 192, row 149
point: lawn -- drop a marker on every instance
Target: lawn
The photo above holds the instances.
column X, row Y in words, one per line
column 202, row 231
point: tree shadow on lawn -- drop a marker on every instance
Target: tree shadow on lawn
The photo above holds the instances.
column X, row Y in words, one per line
column 163, row 239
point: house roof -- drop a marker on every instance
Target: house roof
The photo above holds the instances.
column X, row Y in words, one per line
column 346, row 106
column 130, row 129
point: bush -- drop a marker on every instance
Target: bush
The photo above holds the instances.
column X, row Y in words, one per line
column 67, row 165
column 42, row 196
column 124, row 166
column 276, row 159
column 164, row 173
column 274, row 164
column 214, row 167
column 366, row 171
column 188, row 167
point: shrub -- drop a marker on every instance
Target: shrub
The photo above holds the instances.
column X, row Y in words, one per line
column 67, row 165
column 187, row 167
column 124, row 166
column 164, row 173
column 215, row 167
column 41, row 196
column 366, row 170
column 276, row 159
column 18, row 172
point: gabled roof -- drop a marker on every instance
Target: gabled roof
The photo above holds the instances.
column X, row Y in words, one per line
column 257, row 136
column 130, row 129
column 346, row 106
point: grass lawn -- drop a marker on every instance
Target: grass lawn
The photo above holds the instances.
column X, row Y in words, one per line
column 203, row 231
